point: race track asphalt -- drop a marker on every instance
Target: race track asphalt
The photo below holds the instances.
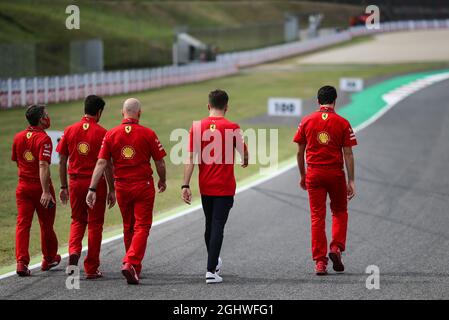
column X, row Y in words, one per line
column 399, row 221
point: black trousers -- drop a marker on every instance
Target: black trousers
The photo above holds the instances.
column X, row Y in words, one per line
column 216, row 210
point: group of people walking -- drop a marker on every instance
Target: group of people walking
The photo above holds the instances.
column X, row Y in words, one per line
column 99, row 168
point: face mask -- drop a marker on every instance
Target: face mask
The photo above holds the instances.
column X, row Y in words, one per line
column 45, row 122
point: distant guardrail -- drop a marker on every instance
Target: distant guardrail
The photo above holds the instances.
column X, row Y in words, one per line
column 54, row 89
column 257, row 56
column 25, row 91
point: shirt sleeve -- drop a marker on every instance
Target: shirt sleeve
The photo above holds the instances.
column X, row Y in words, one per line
column 300, row 136
column 62, row 147
column 105, row 150
column 45, row 149
column 156, row 149
column 349, row 139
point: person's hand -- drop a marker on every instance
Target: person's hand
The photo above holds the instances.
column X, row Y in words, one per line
column 161, row 186
column 46, row 198
column 64, row 196
column 91, row 198
column 302, row 183
column 111, row 199
column 186, row 195
column 351, row 190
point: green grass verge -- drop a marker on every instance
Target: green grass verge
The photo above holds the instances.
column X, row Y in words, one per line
column 164, row 110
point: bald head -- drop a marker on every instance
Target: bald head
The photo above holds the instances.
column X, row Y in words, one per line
column 131, row 108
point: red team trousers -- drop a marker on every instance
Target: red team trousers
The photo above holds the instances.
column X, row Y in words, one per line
column 320, row 182
column 83, row 216
column 28, row 195
column 136, row 201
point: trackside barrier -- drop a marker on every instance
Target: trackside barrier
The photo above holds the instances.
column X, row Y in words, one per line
column 25, row 91
column 257, row 56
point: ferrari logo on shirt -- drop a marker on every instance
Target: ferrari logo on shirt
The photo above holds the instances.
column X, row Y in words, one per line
column 83, row 148
column 323, row 137
column 28, row 156
column 128, row 129
column 29, row 134
column 212, row 127
column 324, row 116
column 85, row 126
column 128, row 152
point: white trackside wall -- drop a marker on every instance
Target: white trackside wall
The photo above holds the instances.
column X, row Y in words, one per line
column 25, row 91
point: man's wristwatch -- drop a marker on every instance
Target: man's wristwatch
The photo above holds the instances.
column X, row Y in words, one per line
column 93, row 189
column 185, row 186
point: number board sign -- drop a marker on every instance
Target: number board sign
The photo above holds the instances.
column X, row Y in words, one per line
column 351, row 84
column 284, row 107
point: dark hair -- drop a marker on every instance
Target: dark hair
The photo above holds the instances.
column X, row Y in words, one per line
column 34, row 113
column 218, row 99
column 93, row 104
column 327, row 95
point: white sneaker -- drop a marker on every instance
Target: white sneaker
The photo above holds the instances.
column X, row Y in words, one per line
column 213, row 278
column 219, row 265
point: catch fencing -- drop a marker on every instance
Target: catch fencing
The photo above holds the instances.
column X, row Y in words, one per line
column 25, row 91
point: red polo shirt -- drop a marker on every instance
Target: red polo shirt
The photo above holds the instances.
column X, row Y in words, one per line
column 82, row 142
column 29, row 147
column 131, row 146
column 325, row 133
column 215, row 139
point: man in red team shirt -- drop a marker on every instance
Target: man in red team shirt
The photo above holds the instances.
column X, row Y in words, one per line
column 31, row 150
column 327, row 138
column 80, row 145
column 131, row 147
column 214, row 138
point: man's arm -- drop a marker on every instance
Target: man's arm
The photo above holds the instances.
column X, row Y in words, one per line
column 244, row 154
column 44, row 175
column 111, row 187
column 245, row 157
column 301, row 165
column 242, row 148
column 186, row 194
column 13, row 152
column 349, row 162
column 63, row 193
column 98, row 172
column 161, row 172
